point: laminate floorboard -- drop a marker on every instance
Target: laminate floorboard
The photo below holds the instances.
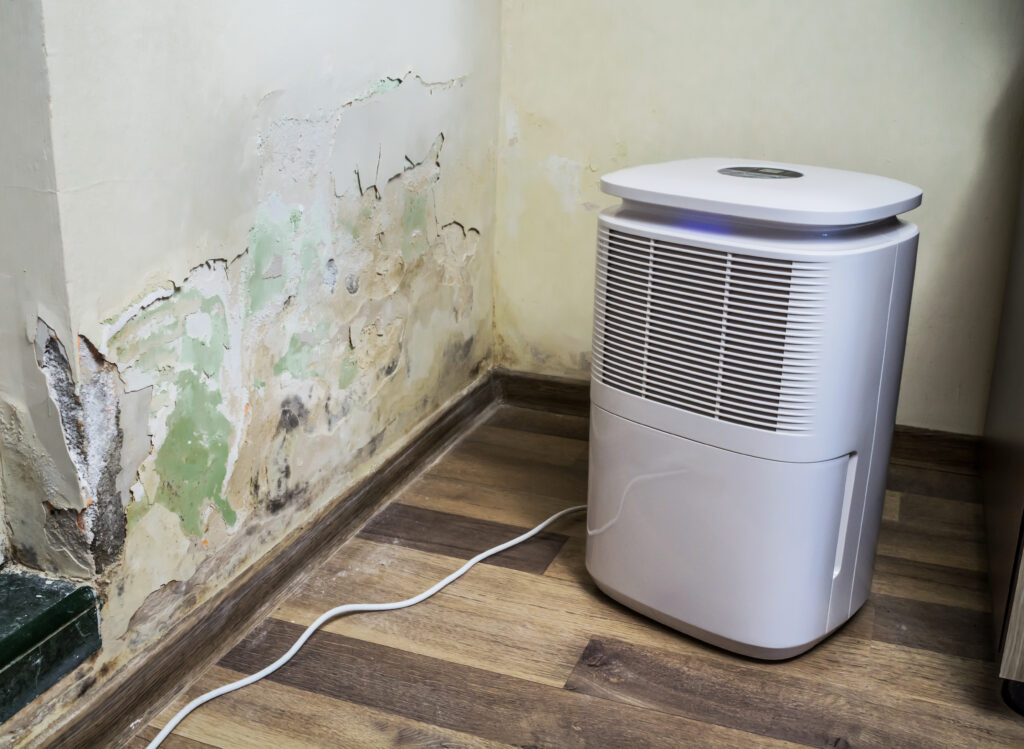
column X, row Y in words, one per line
column 527, row 651
column 461, row 537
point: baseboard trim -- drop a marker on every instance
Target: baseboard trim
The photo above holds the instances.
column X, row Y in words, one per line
column 929, row 448
column 562, row 395
column 210, row 630
column 143, row 688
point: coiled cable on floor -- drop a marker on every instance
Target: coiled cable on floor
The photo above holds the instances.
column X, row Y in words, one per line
column 351, row 608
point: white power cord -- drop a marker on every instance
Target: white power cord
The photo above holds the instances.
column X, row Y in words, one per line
column 350, row 608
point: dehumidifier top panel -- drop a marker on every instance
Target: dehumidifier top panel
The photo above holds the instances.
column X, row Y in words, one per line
column 765, row 191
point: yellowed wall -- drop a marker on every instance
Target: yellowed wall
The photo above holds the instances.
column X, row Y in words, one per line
column 925, row 91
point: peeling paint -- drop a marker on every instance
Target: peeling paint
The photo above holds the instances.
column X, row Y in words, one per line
column 239, row 400
column 192, row 461
column 90, row 416
column 274, row 332
column 276, row 297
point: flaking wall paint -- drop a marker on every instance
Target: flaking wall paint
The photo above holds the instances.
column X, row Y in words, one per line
column 277, row 234
column 922, row 91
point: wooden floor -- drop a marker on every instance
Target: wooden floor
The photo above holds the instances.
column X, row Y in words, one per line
column 524, row 651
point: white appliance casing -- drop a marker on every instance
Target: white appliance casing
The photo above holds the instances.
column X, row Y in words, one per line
column 749, row 527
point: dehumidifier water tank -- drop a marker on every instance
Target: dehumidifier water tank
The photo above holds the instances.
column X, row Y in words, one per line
column 750, row 321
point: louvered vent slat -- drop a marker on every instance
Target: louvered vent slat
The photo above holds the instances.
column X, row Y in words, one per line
column 728, row 336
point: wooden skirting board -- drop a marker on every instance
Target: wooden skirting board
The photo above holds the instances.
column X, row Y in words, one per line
column 106, row 716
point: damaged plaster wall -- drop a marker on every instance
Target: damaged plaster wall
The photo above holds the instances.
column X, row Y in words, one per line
column 39, row 499
column 277, row 234
column 868, row 86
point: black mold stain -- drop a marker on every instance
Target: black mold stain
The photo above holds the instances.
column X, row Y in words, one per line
column 279, row 501
column 370, row 448
column 293, row 413
column 25, row 555
column 86, row 685
column 456, row 353
column 391, row 367
column 333, row 417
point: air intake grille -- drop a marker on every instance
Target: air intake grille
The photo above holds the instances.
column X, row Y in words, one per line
column 729, row 336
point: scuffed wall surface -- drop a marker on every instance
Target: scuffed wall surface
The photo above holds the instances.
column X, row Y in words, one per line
column 231, row 369
column 921, row 91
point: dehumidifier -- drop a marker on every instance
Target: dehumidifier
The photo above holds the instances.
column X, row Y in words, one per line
column 750, row 320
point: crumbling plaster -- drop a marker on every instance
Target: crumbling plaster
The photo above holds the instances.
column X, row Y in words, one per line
column 263, row 310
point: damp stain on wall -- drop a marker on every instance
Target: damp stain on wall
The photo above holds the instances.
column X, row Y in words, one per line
column 266, row 387
column 217, row 411
column 301, row 284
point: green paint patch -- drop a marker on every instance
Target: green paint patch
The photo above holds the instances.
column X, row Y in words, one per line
column 385, row 84
column 268, row 239
column 349, row 368
column 135, row 512
column 414, row 225
column 150, row 340
column 208, row 356
column 284, row 244
column 299, row 360
column 192, row 461
column 303, row 359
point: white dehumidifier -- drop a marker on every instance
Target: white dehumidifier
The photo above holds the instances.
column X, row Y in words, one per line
column 750, row 321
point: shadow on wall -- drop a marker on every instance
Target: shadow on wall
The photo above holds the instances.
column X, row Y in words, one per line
column 996, row 182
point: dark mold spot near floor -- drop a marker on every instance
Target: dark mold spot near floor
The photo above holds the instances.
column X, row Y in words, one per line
column 86, row 685
column 334, row 416
column 293, row 413
column 456, row 353
column 279, row 501
column 391, row 367
column 25, row 555
column 371, row 447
